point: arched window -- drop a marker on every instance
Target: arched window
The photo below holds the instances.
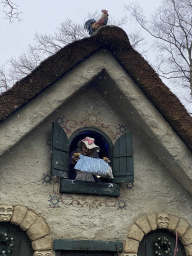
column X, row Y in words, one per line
column 160, row 242
column 121, row 156
column 101, row 140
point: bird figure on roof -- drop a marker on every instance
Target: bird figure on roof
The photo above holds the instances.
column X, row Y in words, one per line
column 92, row 25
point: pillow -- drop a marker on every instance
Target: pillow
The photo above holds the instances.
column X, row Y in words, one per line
column 94, row 166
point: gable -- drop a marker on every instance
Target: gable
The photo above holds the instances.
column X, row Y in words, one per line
column 26, row 165
column 116, row 41
column 103, row 73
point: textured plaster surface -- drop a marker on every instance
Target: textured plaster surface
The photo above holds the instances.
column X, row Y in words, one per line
column 80, row 216
column 120, row 90
column 182, row 230
column 25, row 167
column 40, row 242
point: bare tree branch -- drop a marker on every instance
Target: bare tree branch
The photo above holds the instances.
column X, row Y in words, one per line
column 3, row 80
column 47, row 45
column 11, row 10
column 171, row 27
column 136, row 39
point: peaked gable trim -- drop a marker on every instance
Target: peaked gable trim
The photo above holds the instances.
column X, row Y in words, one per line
column 103, row 70
column 117, row 42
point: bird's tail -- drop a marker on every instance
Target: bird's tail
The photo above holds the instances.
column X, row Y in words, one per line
column 88, row 26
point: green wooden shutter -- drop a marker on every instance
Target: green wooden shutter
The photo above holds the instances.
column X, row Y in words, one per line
column 60, row 152
column 123, row 159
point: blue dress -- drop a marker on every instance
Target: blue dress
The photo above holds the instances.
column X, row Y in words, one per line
column 78, row 175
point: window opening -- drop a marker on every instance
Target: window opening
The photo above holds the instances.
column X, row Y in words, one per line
column 160, row 242
column 120, row 154
column 104, row 151
column 14, row 241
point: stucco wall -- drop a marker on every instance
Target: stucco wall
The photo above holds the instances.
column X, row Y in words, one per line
column 25, row 177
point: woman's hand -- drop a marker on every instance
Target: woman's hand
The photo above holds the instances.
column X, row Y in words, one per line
column 106, row 159
column 75, row 157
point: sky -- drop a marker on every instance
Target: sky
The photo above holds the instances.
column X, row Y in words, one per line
column 45, row 16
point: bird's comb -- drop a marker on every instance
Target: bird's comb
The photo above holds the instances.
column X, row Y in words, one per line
column 105, row 11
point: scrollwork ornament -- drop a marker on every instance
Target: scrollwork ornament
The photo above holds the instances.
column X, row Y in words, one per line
column 162, row 247
column 7, row 244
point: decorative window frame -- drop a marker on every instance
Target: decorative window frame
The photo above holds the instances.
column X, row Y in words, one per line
column 123, row 169
column 149, row 223
column 35, row 227
column 87, row 129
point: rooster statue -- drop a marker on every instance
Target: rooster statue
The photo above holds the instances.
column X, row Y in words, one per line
column 92, row 25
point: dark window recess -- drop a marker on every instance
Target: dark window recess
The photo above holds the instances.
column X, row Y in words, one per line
column 87, row 248
column 159, row 242
column 21, row 243
column 100, row 140
column 121, row 156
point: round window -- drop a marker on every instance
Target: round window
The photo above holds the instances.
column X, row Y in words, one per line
column 100, row 140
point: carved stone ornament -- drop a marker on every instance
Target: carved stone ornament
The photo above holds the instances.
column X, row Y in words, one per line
column 42, row 253
column 162, row 220
column 6, row 212
column 155, row 221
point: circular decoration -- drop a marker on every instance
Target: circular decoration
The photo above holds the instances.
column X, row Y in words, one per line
column 47, row 178
column 162, row 247
column 6, row 244
column 122, row 204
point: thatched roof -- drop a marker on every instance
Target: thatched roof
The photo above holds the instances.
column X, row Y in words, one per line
column 117, row 42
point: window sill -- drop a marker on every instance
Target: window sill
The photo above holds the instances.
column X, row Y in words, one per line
column 90, row 245
column 89, row 187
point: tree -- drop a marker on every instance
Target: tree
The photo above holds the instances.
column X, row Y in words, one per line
column 171, row 26
column 47, row 45
column 11, row 10
column 4, row 82
column 67, row 33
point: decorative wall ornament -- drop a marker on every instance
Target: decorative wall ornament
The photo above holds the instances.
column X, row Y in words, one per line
column 129, row 185
column 54, row 201
column 34, row 225
column 6, row 212
column 7, row 244
column 162, row 247
column 91, row 119
column 122, row 204
column 47, row 178
column 152, row 222
column 162, row 220
column 57, row 199
column 122, row 128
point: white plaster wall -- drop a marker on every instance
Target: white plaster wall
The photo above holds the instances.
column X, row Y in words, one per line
column 25, row 170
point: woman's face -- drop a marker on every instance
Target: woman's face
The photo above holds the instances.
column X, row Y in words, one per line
column 85, row 151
